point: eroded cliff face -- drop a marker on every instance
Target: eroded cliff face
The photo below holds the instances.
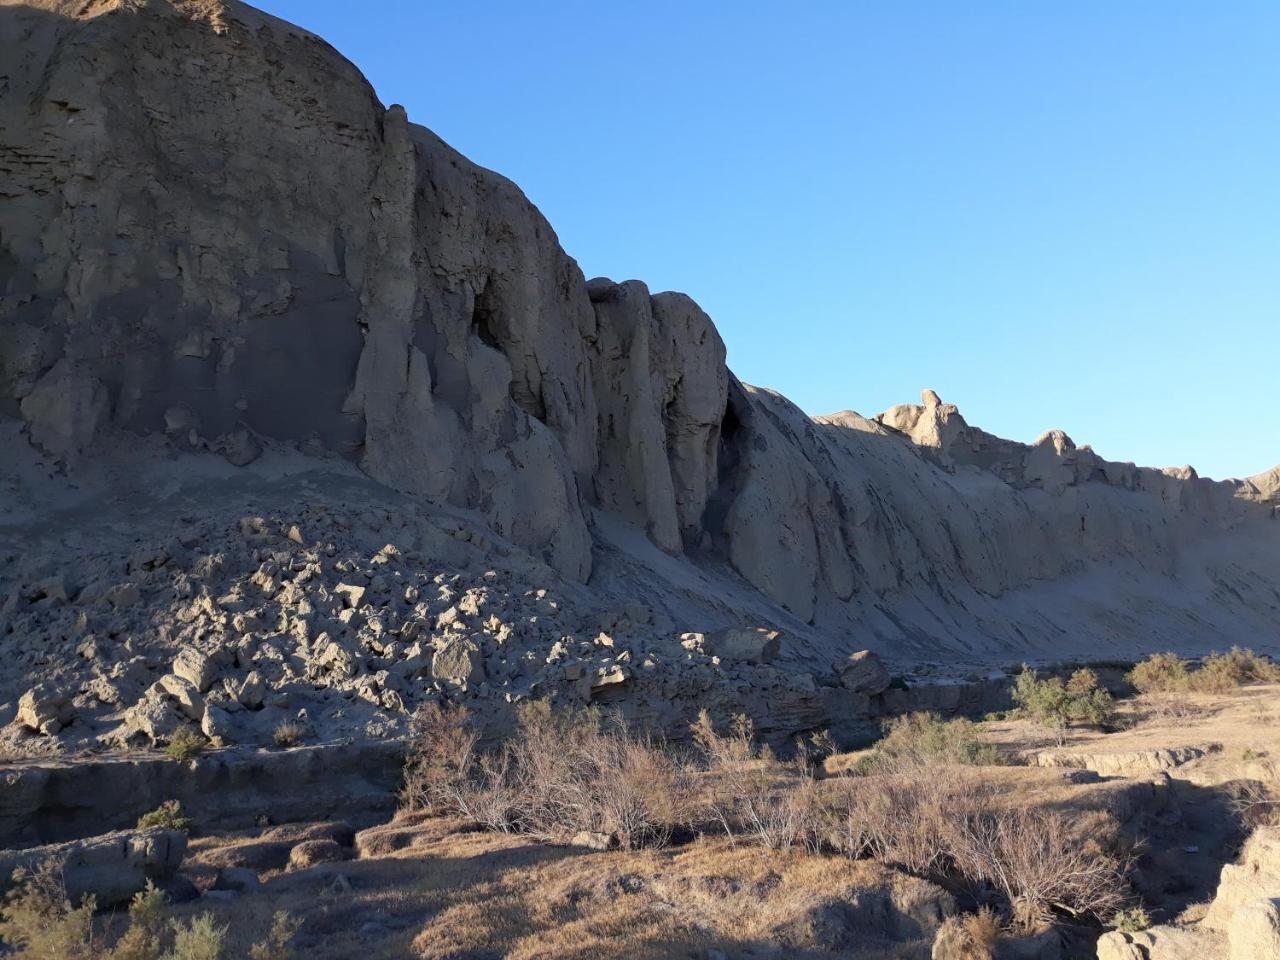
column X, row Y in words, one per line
column 210, row 229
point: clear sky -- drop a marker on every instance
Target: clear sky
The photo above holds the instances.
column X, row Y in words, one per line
column 1056, row 214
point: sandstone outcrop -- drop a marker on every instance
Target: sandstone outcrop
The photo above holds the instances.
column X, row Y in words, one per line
column 1242, row 923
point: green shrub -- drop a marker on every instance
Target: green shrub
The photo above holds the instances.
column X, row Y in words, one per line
column 1133, row 920
column 927, row 738
column 1056, row 705
column 1223, row 671
column 199, row 939
column 1161, row 673
column 167, row 816
column 185, row 744
column 143, row 940
column 1217, row 673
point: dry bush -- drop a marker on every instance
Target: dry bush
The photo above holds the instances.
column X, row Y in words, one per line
column 288, row 734
column 40, row 923
column 1171, row 706
column 438, row 758
column 1039, row 864
column 1256, row 803
column 970, row 936
column 574, row 775
column 640, row 792
column 722, row 750
column 198, row 939
column 908, row 818
column 562, row 772
column 276, row 944
column 747, row 792
column 948, row 827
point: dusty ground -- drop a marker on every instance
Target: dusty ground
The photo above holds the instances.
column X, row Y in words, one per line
column 437, row 887
column 434, row 888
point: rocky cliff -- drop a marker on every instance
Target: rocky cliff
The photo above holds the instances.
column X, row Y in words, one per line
column 212, row 232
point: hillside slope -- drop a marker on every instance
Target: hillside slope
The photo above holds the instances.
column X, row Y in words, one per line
column 214, row 240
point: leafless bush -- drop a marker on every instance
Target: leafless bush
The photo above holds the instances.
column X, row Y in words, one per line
column 40, row 922
column 1256, row 803
column 908, row 817
column 288, row 734
column 724, row 750
column 439, row 759
column 1038, row 863
column 748, row 793
column 563, row 772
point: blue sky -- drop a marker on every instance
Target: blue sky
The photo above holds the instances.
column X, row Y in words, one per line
column 1055, row 214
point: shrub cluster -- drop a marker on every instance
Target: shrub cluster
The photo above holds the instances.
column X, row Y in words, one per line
column 167, row 816
column 39, row 922
column 1057, row 705
column 561, row 774
column 185, row 744
column 1217, row 673
column 919, row 738
column 920, row 807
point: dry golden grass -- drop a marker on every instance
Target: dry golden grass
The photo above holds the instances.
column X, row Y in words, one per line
column 652, row 903
column 435, row 888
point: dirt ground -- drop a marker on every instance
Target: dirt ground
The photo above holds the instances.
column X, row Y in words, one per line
column 437, row 887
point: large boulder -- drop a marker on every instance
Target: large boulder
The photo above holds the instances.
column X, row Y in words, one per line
column 1255, row 877
column 458, row 660
column 196, row 668
column 111, row 868
column 1255, row 930
column 45, row 709
column 749, row 645
column 864, row 673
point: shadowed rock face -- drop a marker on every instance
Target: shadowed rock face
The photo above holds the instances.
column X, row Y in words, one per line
column 212, row 229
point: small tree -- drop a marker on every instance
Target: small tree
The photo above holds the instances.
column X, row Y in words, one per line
column 1056, row 705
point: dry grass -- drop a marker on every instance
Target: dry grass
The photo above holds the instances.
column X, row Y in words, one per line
column 288, row 734
column 562, row 773
column 651, row 904
column 972, row 936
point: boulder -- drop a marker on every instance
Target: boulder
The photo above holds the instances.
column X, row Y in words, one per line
column 239, row 879
column 195, row 667
column 184, row 693
column 750, row 645
column 111, row 868
column 308, row 853
column 1159, row 943
column 252, row 691
column 1255, row 877
column 45, row 709
column 458, row 660
column 65, row 409
column 593, row 841
column 1255, row 930
column 864, row 673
